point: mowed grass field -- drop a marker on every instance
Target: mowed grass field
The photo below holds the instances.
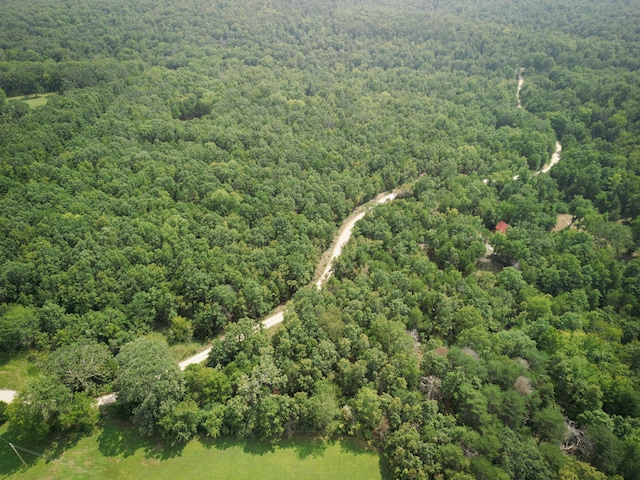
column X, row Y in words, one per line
column 117, row 452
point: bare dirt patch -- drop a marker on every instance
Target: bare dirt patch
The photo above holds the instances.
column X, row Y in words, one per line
column 563, row 221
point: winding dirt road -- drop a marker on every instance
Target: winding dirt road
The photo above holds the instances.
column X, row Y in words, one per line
column 325, row 267
column 555, row 158
column 344, row 234
column 276, row 317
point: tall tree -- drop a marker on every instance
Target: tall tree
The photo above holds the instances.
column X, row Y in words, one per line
column 82, row 366
column 149, row 382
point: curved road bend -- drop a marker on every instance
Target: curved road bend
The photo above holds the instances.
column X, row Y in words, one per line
column 344, row 234
column 277, row 316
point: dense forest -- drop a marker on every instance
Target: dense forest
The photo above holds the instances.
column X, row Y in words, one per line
column 196, row 159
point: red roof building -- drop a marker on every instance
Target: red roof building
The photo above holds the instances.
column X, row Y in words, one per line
column 502, row 227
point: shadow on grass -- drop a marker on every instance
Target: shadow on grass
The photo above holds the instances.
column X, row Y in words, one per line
column 120, row 438
column 385, row 468
column 304, row 445
column 254, row 447
column 31, row 451
column 9, row 462
column 354, row 446
column 4, row 358
column 307, row 446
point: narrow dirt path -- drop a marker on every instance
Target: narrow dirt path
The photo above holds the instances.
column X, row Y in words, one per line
column 520, row 83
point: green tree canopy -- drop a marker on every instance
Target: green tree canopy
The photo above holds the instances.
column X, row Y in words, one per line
column 149, row 382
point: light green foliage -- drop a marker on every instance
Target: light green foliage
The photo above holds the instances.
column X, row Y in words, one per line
column 46, row 406
column 18, row 327
column 367, row 411
column 181, row 330
column 181, row 423
column 576, row 470
column 207, row 385
column 82, row 366
column 322, row 409
column 212, row 420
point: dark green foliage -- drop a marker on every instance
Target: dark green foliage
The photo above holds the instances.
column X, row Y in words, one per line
column 521, row 459
column 258, row 410
column 181, row 423
column 3, row 413
column 199, row 157
column 607, row 450
column 320, row 411
column 244, row 336
column 548, row 424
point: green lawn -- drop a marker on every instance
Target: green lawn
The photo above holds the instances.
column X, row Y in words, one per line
column 15, row 370
column 35, row 100
column 116, row 452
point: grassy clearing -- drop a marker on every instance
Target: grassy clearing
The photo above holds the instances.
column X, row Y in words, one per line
column 15, row 370
column 117, row 452
column 182, row 350
column 35, row 100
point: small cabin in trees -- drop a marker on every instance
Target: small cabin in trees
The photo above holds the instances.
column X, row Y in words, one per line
column 502, row 227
